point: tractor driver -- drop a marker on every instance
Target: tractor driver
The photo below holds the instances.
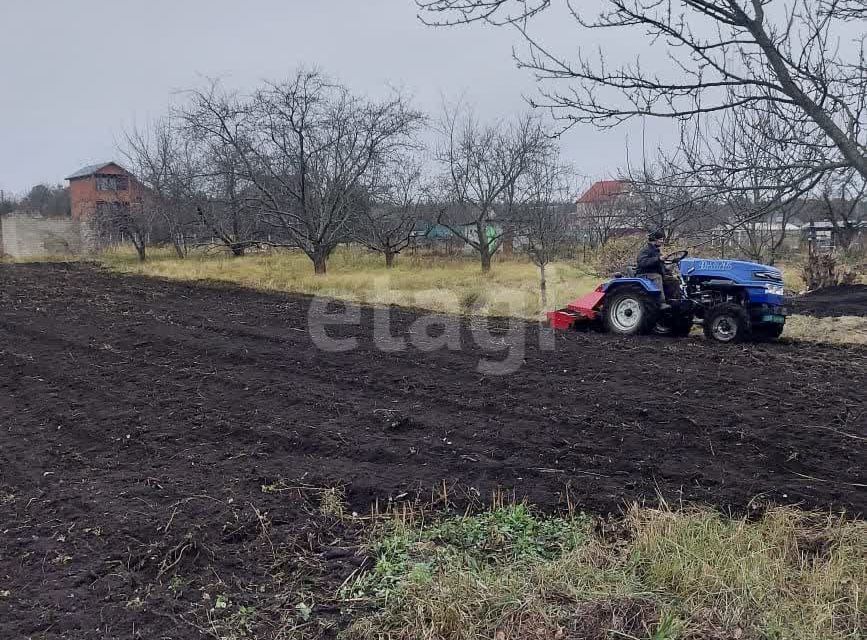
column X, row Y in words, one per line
column 651, row 267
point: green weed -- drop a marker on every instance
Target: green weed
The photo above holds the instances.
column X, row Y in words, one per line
column 510, row 573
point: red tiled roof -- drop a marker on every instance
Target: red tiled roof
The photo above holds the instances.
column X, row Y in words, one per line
column 603, row 190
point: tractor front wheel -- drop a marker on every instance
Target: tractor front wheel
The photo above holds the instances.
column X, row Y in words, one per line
column 768, row 331
column 630, row 312
column 678, row 326
column 727, row 322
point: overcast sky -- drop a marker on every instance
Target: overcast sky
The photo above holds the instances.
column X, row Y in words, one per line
column 76, row 73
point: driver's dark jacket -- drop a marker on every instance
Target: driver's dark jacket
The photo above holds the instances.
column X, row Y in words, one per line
column 650, row 261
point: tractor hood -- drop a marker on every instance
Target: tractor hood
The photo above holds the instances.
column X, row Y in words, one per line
column 739, row 271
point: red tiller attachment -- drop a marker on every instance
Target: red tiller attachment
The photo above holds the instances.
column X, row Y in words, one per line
column 584, row 309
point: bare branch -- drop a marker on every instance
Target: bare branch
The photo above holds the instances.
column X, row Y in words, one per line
column 725, row 55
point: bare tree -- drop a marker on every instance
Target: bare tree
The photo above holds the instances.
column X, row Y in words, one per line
column 481, row 167
column 845, row 205
column 162, row 163
column 226, row 203
column 129, row 221
column 663, row 198
column 8, row 203
column 603, row 214
column 544, row 216
column 387, row 224
column 760, row 238
column 780, row 56
column 307, row 147
column 746, row 170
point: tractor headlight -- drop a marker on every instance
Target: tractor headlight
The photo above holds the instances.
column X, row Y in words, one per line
column 774, row 289
column 767, row 275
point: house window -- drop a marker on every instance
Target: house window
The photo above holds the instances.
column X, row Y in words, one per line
column 106, row 183
column 112, row 183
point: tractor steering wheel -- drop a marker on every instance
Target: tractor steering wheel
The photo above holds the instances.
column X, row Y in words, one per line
column 675, row 258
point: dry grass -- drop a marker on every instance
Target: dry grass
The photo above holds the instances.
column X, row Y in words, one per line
column 789, row 575
column 686, row 574
column 842, row 330
column 452, row 285
column 793, row 277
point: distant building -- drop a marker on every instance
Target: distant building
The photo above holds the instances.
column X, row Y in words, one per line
column 99, row 187
column 607, row 210
column 605, row 191
column 825, row 235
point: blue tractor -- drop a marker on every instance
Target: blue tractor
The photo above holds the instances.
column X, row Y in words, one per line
column 733, row 300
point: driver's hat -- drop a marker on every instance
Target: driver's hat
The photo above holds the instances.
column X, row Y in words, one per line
column 656, row 235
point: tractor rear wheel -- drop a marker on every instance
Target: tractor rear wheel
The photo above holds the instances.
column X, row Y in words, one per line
column 727, row 322
column 629, row 312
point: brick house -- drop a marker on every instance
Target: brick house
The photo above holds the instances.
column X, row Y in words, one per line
column 99, row 187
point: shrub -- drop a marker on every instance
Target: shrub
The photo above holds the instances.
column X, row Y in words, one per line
column 618, row 253
column 827, row 270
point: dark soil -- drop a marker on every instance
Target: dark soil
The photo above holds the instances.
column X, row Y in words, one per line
column 164, row 445
column 833, row 302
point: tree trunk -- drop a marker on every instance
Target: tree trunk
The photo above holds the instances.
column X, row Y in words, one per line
column 486, row 260
column 848, row 146
column 843, row 237
column 141, row 249
column 509, row 242
column 179, row 247
column 389, row 259
column 543, row 286
column 484, row 247
column 237, row 250
column 320, row 260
